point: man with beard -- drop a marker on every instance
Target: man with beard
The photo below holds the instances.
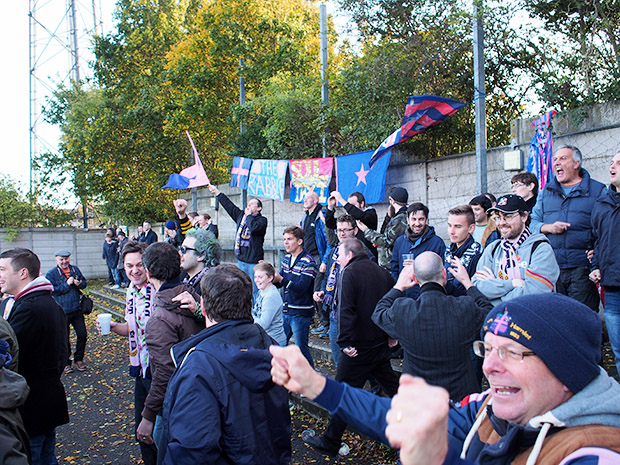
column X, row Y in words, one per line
column 521, row 262
column 419, row 237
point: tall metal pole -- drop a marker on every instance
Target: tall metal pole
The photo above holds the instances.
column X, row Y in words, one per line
column 74, row 44
column 324, row 82
column 244, row 192
column 479, row 99
column 32, row 89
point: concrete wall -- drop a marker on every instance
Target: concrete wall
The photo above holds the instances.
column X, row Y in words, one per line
column 440, row 183
column 448, row 181
column 85, row 247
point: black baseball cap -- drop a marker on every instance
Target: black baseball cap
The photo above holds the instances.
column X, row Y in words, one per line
column 509, row 203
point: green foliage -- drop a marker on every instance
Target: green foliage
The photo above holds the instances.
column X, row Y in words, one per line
column 579, row 57
column 18, row 211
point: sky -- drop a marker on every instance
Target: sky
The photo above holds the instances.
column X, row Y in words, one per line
column 53, row 63
column 52, row 67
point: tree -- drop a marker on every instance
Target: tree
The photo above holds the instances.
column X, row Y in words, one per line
column 17, row 210
column 579, row 62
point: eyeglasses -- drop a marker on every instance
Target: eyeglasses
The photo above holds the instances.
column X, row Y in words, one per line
column 516, row 185
column 183, row 249
column 497, row 217
column 342, row 231
column 483, row 349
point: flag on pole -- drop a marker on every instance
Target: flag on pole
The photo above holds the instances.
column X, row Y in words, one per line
column 312, row 174
column 421, row 112
column 193, row 176
column 540, row 158
column 354, row 175
column 240, row 172
column 267, row 179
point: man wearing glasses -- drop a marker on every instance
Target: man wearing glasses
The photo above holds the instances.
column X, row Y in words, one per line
column 325, row 291
column 200, row 251
column 548, row 399
column 521, row 262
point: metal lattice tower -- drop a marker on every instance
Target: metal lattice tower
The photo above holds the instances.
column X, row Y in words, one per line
column 60, row 34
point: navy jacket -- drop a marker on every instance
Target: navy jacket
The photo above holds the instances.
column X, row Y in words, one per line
column 66, row 295
column 221, row 405
column 606, row 230
column 110, row 254
column 569, row 247
column 428, row 242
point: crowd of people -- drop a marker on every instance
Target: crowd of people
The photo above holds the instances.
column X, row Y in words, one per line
column 511, row 302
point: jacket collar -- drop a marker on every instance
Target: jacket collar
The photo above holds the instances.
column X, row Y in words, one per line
column 428, row 287
column 583, row 187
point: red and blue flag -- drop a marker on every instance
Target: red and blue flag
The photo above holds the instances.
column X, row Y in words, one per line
column 421, row 112
column 540, row 158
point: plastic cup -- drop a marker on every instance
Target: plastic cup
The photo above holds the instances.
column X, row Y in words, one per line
column 408, row 258
column 104, row 322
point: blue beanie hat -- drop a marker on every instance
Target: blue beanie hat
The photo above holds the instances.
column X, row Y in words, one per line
column 563, row 333
column 170, row 224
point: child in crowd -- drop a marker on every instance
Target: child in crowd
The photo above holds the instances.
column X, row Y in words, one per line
column 267, row 309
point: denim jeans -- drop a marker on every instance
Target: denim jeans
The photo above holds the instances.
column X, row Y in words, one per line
column 299, row 327
column 333, row 337
column 249, row 270
column 42, row 449
column 142, row 386
column 158, row 436
column 116, row 276
column 612, row 320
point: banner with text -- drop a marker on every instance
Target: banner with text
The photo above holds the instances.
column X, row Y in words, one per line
column 311, row 174
column 267, row 179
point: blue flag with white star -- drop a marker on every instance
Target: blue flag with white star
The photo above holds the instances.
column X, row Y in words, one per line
column 354, row 175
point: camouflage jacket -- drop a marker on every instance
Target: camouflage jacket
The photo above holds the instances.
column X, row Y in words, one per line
column 385, row 241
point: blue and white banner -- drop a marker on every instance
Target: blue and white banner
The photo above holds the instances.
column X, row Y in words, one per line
column 267, row 179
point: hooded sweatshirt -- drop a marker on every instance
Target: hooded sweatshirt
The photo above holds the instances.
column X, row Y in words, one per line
column 222, row 406
column 597, row 404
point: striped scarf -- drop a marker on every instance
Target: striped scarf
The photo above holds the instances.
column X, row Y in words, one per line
column 509, row 267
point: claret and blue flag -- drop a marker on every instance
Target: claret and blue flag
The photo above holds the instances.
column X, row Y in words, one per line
column 421, row 112
column 192, row 176
column 353, row 174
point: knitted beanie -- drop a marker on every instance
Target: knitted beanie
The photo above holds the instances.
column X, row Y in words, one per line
column 170, row 224
column 563, row 333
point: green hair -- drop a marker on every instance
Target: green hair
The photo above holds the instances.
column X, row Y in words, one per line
column 207, row 244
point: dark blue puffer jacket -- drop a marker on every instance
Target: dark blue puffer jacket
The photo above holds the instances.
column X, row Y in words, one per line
column 221, row 405
column 569, row 247
column 606, row 228
column 429, row 242
column 67, row 296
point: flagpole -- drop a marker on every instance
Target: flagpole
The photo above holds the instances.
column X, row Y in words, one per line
column 244, row 192
column 479, row 99
column 324, row 83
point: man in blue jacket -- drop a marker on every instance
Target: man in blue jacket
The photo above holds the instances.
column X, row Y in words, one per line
column 606, row 259
column 419, row 237
column 221, row 405
column 548, row 399
column 562, row 212
column 67, row 281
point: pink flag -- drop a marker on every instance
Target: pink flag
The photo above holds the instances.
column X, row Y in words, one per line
column 192, row 176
